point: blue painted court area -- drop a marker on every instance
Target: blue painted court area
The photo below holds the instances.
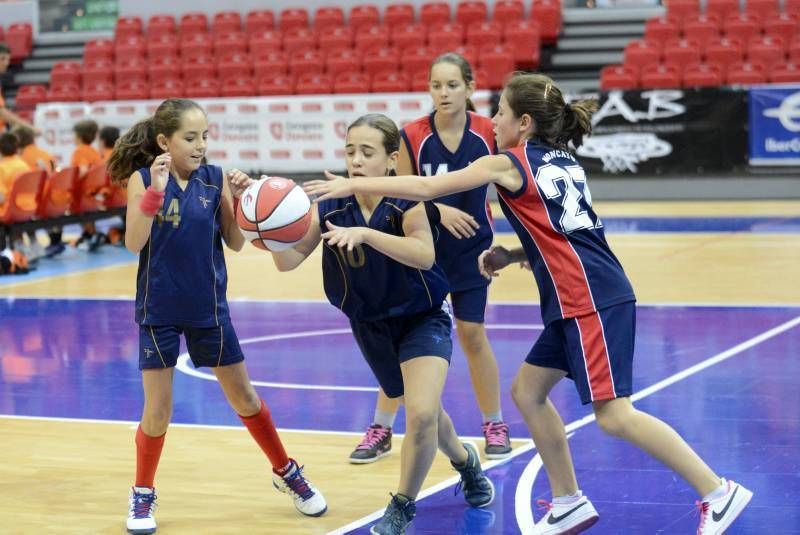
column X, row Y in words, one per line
column 725, row 377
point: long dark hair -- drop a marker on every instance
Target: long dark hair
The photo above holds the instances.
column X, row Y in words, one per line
column 137, row 148
column 556, row 121
column 463, row 65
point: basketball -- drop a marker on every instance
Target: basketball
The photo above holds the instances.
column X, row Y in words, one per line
column 274, row 213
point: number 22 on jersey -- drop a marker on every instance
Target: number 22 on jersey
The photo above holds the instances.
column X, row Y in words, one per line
column 573, row 216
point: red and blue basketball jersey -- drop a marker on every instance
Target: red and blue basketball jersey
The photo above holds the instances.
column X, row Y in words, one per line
column 430, row 157
column 562, row 236
column 366, row 284
column 182, row 277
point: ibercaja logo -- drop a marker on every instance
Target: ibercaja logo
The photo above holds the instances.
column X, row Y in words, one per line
column 341, row 129
column 276, row 129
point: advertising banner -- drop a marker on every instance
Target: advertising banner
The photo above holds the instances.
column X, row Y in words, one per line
column 775, row 125
column 667, row 131
column 292, row 134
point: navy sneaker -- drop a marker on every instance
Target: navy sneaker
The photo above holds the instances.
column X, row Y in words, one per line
column 478, row 489
column 398, row 515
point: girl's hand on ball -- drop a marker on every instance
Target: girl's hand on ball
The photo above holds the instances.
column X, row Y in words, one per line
column 239, row 182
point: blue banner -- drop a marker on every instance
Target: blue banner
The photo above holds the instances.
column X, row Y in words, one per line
column 775, row 125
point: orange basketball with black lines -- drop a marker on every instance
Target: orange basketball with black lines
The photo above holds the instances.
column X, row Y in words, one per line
column 274, row 213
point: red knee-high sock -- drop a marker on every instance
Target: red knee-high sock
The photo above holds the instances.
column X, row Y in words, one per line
column 263, row 430
column 148, row 452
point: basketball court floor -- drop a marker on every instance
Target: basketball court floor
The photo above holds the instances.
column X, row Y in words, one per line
column 717, row 357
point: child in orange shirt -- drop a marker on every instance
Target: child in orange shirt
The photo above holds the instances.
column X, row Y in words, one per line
column 84, row 157
column 12, row 166
column 35, row 156
column 107, row 137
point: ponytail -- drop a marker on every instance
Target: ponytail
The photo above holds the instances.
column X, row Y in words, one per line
column 137, row 148
column 577, row 122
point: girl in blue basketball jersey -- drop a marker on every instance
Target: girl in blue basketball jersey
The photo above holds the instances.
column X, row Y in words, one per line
column 378, row 268
column 446, row 140
column 179, row 212
column 586, row 299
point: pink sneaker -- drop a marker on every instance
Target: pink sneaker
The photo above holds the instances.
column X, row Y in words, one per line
column 498, row 445
column 376, row 443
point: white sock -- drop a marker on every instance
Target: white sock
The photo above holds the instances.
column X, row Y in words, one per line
column 495, row 417
column 384, row 419
column 566, row 500
column 717, row 493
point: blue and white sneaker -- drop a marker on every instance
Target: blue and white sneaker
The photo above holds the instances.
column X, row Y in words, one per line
column 141, row 504
column 307, row 499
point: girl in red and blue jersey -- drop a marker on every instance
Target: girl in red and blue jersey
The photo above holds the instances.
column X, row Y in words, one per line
column 586, row 299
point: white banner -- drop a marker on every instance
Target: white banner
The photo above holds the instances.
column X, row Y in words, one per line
column 292, row 134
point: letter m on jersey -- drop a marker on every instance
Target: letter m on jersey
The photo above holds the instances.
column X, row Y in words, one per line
column 440, row 169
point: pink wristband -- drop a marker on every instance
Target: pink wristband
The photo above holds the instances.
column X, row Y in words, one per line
column 151, row 201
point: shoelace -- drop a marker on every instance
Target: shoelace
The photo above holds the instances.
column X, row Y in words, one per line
column 702, row 510
column 143, row 505
column 298, row 484
column 373, row 437
column 396, row 516
column 496, row 433
column 544, row 504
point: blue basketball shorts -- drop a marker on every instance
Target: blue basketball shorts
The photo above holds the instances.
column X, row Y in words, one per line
column 470, row 305
column 387, row 343
column 596, row 351
column 159, row 345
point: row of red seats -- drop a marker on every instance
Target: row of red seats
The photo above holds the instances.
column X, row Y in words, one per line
column 704, row 28
column 523, row 34
column 36, row 195
column 686, row 9
column 658, row 76
column 19, row 38
column 765, row 50
column 430, row 13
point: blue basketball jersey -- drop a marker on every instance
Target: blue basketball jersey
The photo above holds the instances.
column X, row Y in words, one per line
column 366, row 284
column 563, row 238
column 182, row 278
column 430, row 157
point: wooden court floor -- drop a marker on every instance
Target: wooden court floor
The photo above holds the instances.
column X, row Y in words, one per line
column 71, row 477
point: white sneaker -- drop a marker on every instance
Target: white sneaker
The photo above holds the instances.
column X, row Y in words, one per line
column 141, row 504
column 307, row 499
column 569, row 519
column 717, row 515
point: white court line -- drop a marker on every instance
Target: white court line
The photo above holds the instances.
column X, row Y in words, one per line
column 589, row 418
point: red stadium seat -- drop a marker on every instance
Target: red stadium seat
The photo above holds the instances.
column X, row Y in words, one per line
column 794, row 51
column 22, row 201
column 90, row 191
column 162, row 44
column 162, row 67
column 127, row 26
column 701, row 29
column 681, row 10
column 195, row 22
column 234, row 65
column 395, row 14
column 225, row 22
column 524, row 40
column 313, row 84
column 484, row 34
column 661, row 29
column 419, row 81
column 380, row 60
column 339, row 61
column 497, row 62
column 279, row 84
column 335, row 38
column 226, row 43
column 507, row 11
column 161, row 24
column 262, row 41
column 195, row 44
column 471, row 12
column 766, row 51
column 68, row 72
column 469, row 53
column 780, row 74
column 28, row 96
column 791, row 6
column 657, row 76
column 639, row 54
column 259, row 20
column 306, row 61
column 702, row 75
column 19, row 38
column 195, row 67
column 351, row 82
column 547, row 14
column 131, row 90
column 434, row 13
column 58, row 193
column 618, row 77
column 783, row 25
column 417, row 59
column 96, row 72
column 723, row 52
column 743, row 73
column 64, row 93
column 371, row 38
column 442, row 38
column 299, row 39
column 98, row 49
column 131, row 45
column 390, row 82
column 202, row 88
column 681, row 52
column 364, row 15
column 762, row 10
column 328, row 17
column 293, row 18
column 270, row 62
column 132, row 68
column 166, row 88
column 741, row 26
column 237, row 87
column 722, row 8
column 408, row 35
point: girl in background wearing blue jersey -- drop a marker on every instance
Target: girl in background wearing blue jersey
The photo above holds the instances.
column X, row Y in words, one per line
column 446, row 140
column 378, row 268
column 179, row 212
column 587, row 301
